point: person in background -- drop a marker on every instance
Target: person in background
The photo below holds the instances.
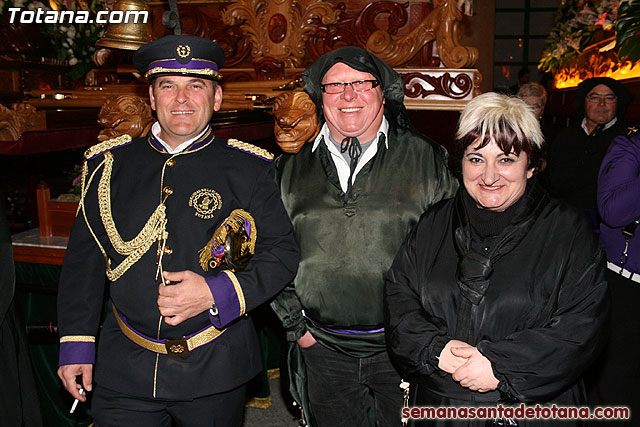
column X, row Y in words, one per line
column 352, row 195
column 535, row 95
column 524, row 77
column 618, row 371
column 548, row 82
column 190, row 232
column 577, row 152
column 498, row 295
column 19, row 403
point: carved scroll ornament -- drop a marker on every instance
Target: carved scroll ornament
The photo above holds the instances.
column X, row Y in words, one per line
column 454, row 87
column 124, row 114
column 296, row 121
column 18, row 119
column 279, row 29
column 442, row 24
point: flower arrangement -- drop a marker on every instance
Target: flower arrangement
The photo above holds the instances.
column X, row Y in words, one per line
column 576, row 24
column 73, row 43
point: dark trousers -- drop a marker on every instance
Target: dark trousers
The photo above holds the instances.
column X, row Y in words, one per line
column 617, row 371
column 114, row 409
column 344, row 390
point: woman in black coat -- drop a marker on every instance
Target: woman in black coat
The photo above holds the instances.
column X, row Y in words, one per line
column 498, row 295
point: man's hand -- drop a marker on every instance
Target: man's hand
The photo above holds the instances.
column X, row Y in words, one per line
column 188, row 296
column 476, row 374
column 447, row 361
column 68, row 373
column 307, row 340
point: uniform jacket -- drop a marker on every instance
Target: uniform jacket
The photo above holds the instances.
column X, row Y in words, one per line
column 540, row 321
column 347, row 246
column 200, row 187
column 619, row 199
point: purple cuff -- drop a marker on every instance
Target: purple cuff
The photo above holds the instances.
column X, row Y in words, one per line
column 75, row 353
column 226, row 299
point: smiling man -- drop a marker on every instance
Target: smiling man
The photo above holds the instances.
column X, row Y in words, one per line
column 157, row 217
column 577, row 152
column 352, row 195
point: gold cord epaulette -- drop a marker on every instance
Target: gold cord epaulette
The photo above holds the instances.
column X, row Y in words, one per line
column 134, row 249
column 107, row 145
column 250, row 148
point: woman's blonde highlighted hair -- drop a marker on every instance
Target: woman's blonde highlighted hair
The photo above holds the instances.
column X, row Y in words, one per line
column 508, row 121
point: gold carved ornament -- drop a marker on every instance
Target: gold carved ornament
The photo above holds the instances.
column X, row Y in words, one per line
column 18, row 119
column 296, row 120
column 299, row 19
column 124, row 114
column 442, row 25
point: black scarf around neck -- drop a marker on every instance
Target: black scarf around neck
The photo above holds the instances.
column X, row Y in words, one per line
column 474, row 270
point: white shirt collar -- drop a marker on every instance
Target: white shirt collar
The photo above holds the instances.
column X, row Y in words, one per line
column 342, row 167
column 606, row 126
column 155, row 129
column 324, row 132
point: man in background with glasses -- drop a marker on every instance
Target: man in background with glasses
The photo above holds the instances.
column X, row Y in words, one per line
column 352, row 194
column 577, row 152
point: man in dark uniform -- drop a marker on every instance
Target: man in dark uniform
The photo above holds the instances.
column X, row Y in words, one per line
column 173, row 219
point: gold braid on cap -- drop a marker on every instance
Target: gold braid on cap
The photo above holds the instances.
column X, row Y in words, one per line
column 234, row 223
column 134, row 249
column 209, row 72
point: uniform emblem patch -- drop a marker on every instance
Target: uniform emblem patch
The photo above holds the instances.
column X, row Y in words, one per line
column 205, row 201
column 183, row 51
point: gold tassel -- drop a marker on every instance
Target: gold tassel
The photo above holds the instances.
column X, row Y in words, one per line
column 234, row 222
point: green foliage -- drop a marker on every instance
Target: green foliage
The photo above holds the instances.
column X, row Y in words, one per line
column 628, row 31
column 574, row 28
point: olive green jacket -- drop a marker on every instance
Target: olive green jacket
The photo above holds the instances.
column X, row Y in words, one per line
column 347, row 246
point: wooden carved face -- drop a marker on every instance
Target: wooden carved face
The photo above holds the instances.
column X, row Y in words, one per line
column 124, row 114
column 296, row 120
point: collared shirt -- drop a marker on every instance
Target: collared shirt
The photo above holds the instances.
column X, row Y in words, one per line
column 606, row 126
column 155, row 129
column 342, row 166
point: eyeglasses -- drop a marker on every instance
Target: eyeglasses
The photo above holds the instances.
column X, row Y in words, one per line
column 357, row 86
column 596, row 99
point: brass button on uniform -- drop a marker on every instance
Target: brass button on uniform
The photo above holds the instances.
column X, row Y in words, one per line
column 167, row 190
column 171, row 163
column 167, row 250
